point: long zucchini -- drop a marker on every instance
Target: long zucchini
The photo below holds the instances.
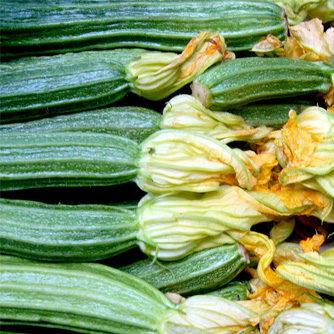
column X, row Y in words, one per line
column 135, row 123
column 250, row 79
column 35, row 28
column 94, row 298
column 45, row 86
column 66, row 159
column 32, row 87
column 59, row 232
column 199, row 272
column 78, row 159
column 63, row 232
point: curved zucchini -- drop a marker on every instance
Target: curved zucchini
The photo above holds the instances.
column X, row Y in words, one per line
column 44, row 86
column 135, row 123
column 199, row 272
column 245, row 80
column 71, row 159
column 59, row 232
column 35, row 28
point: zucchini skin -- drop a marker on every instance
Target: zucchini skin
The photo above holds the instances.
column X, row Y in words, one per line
column 135, row 123
column 199, row 272
column 66, row 159
column 234, row 290
column 251, row 79
column 36, row 28
column 34, row 87
column 47, row 232
column 273, row 113
column 82, row 297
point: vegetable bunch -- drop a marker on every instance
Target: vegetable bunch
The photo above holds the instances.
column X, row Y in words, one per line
column 235, row 169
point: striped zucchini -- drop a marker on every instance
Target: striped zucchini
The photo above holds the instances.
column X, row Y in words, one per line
column 250, row 79
column 65, row 232
column 41, row 86
column 66, row 159
column 35, row 28
column 95, row 298
column 199, row 272
column 168, row 227
column 83, row 297
column 135, row 123
column 44, row 86
column 273, row 113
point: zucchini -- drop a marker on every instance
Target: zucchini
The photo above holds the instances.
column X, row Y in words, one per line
column 45, row 86
column 199, row 272
column 273, row 113
column 95, row 298
column 66, row 159
column 32, row 87
column 81, row 159
column 85, row 297
column 36, row 28
column 135, row 123
column 60, row 232
column 238, row 82
column 168, row 227
column 234, row 290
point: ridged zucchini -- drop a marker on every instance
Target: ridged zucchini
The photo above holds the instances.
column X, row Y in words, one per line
column 135, row 123
column 250, row 79
column 44, row 86
column 95, row 298
column 35, row 28
column 199, row 272
column 66, row 159
column 168, row 227
column 86, row 297
column 273, row 113
column 59, row 232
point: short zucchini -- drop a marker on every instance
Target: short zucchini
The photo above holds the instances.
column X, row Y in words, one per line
column 199, row 272
column 35, row 28
column 273, row 113
column 234, row 290
column 241, row 81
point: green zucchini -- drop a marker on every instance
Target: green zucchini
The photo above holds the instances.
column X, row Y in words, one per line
column 95, row 298
column 32, row 87
column 135, row 123
column 59, row 232
column 81, row 159
column 199, row 272
column 238, row 82
column 168, row 227
column 35, row 28
column 273, row 113
column 44, row 86
column 66, row 159
column 234, row 290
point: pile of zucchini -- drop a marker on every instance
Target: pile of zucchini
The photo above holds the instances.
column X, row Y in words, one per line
column 152, row 169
